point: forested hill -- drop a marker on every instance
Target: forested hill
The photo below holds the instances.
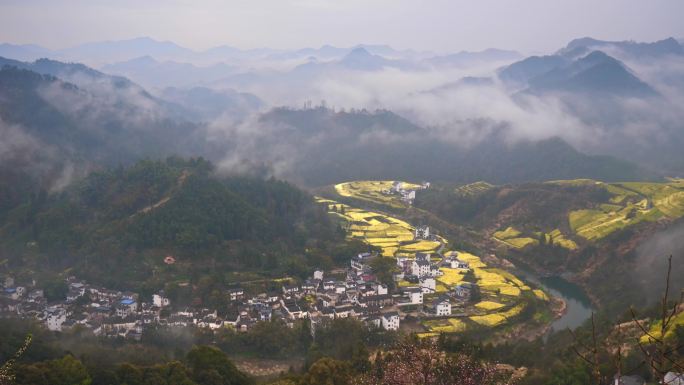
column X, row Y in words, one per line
column 122, row 222
column 324, row 147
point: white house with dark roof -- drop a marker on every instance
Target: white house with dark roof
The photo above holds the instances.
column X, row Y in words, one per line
column 55, row 318
column 414, row 294
column 420, row 267
column 442, row 307
column 236, row 293
column 160, row 299
column 390, row 321
column 455, row 263
column 422, row 232
column 290, row 289
column 428, row 285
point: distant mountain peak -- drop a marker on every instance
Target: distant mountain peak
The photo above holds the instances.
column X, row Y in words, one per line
column 359, row 52
column 667, row 46
column 596, row 72
column 596, row 57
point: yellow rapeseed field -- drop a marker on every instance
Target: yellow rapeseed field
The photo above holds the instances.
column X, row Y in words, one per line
column 489, row 305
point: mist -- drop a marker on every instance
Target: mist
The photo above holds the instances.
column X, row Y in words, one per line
column 651, row 259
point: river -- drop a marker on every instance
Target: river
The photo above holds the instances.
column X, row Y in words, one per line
column 578, row 305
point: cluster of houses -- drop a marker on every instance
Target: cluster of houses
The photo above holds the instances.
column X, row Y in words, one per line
column 357, row 294
column 104, row 311
column 407, row 195
column 422, row 271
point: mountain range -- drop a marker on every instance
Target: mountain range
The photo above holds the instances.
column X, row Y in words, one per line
column 88, row 117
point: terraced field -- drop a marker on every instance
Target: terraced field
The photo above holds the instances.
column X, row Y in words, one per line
column 630, row 203
column 372, row 191
column 473, row 188
column 503, row 295
column 394, row 236
column 512, row 237
column 670, row 333
column 517, row 240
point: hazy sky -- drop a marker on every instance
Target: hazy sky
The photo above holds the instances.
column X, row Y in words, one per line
column 441, row 25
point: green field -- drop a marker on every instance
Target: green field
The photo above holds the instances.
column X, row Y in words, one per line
column 630, row 203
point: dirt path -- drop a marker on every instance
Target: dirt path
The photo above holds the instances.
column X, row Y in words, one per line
column 181, row 180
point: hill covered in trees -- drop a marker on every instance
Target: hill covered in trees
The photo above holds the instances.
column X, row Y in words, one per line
column 319, row 146
column 118, row 224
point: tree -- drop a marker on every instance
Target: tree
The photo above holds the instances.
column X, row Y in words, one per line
column 209, row 365
column 339, row 337
column 55, row 290
column 328, row 371
column 383, row 268
column 64, row 371
column 359, row 358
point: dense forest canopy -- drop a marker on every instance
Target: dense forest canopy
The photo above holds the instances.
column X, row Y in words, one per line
column 123, row 221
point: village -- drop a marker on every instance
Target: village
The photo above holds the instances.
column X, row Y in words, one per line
column 359, row 295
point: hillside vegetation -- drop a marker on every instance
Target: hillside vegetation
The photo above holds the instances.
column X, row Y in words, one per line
column 589, row 229
column 118, row 224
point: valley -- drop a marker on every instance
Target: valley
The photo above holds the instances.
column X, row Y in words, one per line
column 250, row 193
column 478, row 296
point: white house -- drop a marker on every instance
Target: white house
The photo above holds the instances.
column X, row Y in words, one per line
column 290, row 289
column 420, row 268
column 408, row 196
column 374, row 321
column 340, row 287
column 442, row 307
column 35, row 295
column 329, row 285
column 359, row 261
column 318, row 274
column 126, row 307
column 381, row 289
column 21, row 290
column 428, row 285
column 236, row 294
column 160, row 299
column 456, row 263
column 55, row 319
column 422, row 232
column 390, row 321
column 415, row 295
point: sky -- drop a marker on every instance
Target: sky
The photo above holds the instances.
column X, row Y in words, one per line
column 530, row 26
